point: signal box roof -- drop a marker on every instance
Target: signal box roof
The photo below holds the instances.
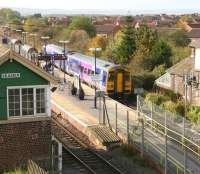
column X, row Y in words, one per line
column 6, row 54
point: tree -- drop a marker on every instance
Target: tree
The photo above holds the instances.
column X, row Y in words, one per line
column 97, row 42
column 145, row 39
column 180, row 38
column 8, row 15
column 160, row 54
column 83, row 23
column 79, row 40
column 126, row 46
column 110, row 47
column 159, row 70
column 34, row 24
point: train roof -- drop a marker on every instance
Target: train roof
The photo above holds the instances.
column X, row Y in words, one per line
column 28, row 48
column 90, row 60
column 15, row 41
column 54, row 49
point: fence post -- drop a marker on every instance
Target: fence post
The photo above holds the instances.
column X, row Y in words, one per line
column 166, row 152
column 116, row 129
column 138, row 105
column 100, row 111
column 151, row 115
column 142, row 137
column 184, row 148
column 104, row 110
column 127, row 114
column 60, row 157
column 52, row 155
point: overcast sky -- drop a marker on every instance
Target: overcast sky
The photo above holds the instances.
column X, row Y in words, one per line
column 103, row 4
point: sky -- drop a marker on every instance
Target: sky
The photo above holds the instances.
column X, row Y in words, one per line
column 103, row 4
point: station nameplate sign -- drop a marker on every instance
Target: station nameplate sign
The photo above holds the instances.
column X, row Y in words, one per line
column 10, row 75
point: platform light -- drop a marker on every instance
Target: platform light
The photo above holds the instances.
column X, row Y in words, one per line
column 34, row 36
column 24, row 34
column 95, row 50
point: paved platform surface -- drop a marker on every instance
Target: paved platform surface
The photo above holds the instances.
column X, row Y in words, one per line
column 84, row 110
column 83, row 115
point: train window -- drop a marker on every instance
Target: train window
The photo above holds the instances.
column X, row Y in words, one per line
column 89, row 71
column 111, row 77
column 85, row 70
column 127, row 76
column 92, row 72
column 81, row 68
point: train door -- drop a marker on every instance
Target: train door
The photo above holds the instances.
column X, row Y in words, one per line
column 119, row 82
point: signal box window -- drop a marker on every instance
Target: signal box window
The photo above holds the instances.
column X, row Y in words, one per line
column 40, row 100
column 14, row 102
column 27, row 101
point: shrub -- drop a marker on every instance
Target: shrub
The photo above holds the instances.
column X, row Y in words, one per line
column 173, row 96
column 193, row 114
column 169, row 105
column 177, row 108
column 155, row 98
column 159, row 70
column 144, row 80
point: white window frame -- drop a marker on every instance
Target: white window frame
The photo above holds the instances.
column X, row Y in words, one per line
column 47, row 104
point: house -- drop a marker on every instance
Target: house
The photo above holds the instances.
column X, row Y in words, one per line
column 25, row 112
column 106, row 30
column 194, row 34
column 192, row 29
column 174, row 77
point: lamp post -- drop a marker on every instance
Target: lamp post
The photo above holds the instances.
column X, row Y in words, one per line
column 34, row 37
column 20, row 33
column 64, row 42
column 13, row 31
column 24, row 36
column 95, row 50
column 45, row 39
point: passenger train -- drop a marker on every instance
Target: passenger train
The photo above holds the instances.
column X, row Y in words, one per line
column 24, row 50
column 115, row 80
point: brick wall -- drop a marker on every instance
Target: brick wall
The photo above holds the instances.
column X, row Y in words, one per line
column 22, row 141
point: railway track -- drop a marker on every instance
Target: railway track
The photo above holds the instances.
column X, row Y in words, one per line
column 78, row 151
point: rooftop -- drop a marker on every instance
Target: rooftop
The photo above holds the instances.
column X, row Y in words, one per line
column 6, row 54
column 194, row 33
column 184, row 66
column 106, row 28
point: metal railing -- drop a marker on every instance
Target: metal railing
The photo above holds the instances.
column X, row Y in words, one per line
column 161, row 136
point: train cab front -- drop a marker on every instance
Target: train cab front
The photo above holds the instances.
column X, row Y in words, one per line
column 118, row 83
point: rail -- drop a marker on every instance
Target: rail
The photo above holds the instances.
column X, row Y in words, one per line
column 87, row 149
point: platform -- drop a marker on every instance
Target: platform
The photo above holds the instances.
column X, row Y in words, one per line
column 83, row 115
